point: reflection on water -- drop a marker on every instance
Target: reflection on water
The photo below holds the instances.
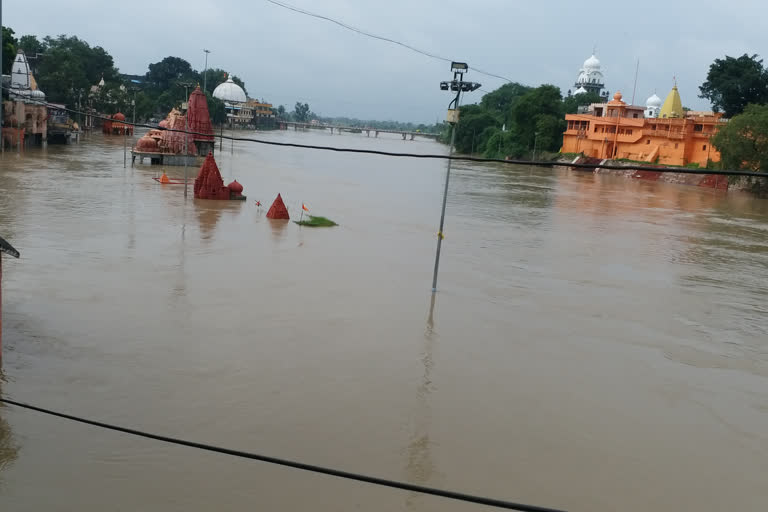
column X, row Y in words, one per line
column 420, row 468
column 278, row 228
column 580, row 318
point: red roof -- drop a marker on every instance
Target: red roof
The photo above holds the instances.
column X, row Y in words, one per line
column 198, row 117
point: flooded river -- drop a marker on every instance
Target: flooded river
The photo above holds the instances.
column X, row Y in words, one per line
column 597, row 343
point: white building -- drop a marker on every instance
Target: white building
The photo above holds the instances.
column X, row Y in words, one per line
column 590, row 78
column 653, row 107
column 235, row 102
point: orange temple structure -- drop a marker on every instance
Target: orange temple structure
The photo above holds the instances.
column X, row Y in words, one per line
column 616, row 130
column 165, row 147
column 115, row 125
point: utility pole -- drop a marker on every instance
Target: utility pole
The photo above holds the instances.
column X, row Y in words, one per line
column 205, row 72
column 457, row 85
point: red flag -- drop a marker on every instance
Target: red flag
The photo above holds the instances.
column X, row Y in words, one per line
column 304, row 207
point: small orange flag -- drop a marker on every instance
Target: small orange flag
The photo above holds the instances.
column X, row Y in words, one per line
column 304, row 207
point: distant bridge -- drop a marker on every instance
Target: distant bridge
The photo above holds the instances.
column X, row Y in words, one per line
column 356, row 129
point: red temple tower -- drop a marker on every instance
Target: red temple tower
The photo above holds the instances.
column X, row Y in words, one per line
column 208, row 184
column 199, row 122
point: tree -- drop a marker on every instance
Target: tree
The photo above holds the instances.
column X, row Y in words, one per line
column 216, row 109
column 733, row 83
column 9, row 49
column 70, row 66
column 743, row 141
column 169, row 71
column 539, row 111
column 31, row 45
column 473, row 121
column 500, row 101
column 280, row 112
column 145, row 105
column 301, row 112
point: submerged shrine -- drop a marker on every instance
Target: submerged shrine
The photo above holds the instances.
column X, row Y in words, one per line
column 278, row 210
column 210, row 185
column 115, row 125
column 165, row 147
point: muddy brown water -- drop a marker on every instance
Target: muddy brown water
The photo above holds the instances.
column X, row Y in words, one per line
column 597, row 343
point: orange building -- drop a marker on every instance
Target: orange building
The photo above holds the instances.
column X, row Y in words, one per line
column 618, row 130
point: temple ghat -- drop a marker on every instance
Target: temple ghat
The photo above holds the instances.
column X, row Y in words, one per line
column 660, row 132
column 167, row 146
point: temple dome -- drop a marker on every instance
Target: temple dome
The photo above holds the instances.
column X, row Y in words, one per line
column 592, row 64
column 653, row 101
column 235, row 187
column 230, row 91
column 580, row 90
column 119, row 117
column 147, row 144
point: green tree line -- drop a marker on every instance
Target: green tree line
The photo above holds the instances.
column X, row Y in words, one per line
column 738, row 87
column 515, row 119
column 66, row 69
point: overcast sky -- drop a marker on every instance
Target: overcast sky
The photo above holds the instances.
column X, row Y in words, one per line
column 285, row 57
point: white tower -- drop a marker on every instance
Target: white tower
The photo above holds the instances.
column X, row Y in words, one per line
column 652, row 106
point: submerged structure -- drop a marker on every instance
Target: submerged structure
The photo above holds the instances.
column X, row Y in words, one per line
column 116, row 125
column 664, row 134
column 170, row 145
column 25, row 114
column 210, row 185
column 278, row 210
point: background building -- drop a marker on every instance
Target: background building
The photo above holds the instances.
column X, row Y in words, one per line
column 617, row 130
column 235, row 103
column 590, row 78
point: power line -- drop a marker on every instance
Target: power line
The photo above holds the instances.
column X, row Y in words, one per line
column 432, row 156
column 469, row 498
column 375, row 36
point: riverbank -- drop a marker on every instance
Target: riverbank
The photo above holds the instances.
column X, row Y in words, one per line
column 756, row 186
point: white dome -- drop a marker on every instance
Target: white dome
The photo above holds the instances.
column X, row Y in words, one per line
column 37, row 93
column 653, row 101
column 230, row 91
column 580, row 90
column 592, row 64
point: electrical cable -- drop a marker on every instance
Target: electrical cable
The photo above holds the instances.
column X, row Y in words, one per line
column 530, row 163
column 481, row 500
column 375, row 36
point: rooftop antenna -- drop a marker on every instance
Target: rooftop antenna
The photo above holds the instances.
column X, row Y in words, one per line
column 634, row 89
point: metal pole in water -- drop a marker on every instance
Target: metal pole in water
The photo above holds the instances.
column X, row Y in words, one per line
column 459, row 85
column 442, row 213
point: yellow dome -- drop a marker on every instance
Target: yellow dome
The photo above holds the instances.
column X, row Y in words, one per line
column 673, row 105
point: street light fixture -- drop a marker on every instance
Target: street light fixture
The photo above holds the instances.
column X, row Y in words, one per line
column 457, row 85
